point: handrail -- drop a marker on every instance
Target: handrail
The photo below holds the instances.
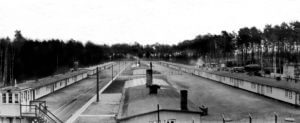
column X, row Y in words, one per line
column 39, row 112
column 45, row 114
column 49, row 117
column 47, row 111
column 43, row 107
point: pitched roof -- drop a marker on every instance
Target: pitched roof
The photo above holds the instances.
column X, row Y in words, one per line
column 44, row 81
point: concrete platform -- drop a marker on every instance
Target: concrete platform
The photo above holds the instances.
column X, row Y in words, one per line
column 103, row 111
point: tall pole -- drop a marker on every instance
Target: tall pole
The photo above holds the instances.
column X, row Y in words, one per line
column 276, row 117
column 158, row 118
column 250, row 118
column 112, row 72
column 97, row 92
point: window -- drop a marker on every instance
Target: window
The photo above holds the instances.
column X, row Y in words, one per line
column 241, row 82
column 16, row 98
column 171, row 121
column 269, row 89
column 61, row 83
column 253, row 85
column 37, row 91
column 21, row 98
column 25, row 94
column 288, row 94
column 4, row 98
column 10, row 98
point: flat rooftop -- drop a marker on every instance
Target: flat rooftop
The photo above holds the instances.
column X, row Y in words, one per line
column 137, row 101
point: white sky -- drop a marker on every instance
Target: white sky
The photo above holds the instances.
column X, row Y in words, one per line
column 143, row 21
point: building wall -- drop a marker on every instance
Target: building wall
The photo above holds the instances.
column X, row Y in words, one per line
column 9, row 110
column 13, row 119
column 179, row 117
column 25, row 96
column 284, row 95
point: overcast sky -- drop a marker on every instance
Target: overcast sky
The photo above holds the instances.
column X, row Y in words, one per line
column 143, row 21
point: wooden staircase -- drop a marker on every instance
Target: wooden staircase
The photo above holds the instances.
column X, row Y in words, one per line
column 37, row 112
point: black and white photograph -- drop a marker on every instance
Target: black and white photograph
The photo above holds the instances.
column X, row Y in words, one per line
column 149, row 61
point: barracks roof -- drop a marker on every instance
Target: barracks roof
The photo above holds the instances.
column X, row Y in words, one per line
column 137, row 101
column 44, row 81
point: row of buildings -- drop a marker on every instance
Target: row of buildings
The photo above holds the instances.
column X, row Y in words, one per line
column 281, row 90
column 18, row 103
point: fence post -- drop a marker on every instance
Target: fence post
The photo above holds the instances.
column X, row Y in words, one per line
column 223, row 118
column 250, row 118
column 276, row 117
column 112, row 72
column 20, row 109
column 35, row 110
column 97, row 88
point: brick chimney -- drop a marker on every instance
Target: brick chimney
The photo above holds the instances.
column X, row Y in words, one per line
column 149, row 77
column 183, row 99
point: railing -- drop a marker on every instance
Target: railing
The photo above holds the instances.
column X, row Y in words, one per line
column 39, row 110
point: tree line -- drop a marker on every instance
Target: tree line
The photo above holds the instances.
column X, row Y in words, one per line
column 271, row 47
column 23, row 58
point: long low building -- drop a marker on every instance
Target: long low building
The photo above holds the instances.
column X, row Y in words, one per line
column 284, row 91
column 157, row 103
column 16, row 102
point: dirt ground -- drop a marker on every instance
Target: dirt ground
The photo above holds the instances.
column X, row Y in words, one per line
column 233, row 103
column 63, row 103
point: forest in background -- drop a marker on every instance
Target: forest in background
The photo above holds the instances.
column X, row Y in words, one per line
column 23, row 58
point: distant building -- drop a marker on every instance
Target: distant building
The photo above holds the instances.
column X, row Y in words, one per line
column 291, row 70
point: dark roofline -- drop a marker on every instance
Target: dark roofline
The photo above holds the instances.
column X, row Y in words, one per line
column 169, row 110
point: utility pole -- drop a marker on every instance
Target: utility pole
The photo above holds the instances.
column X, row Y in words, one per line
column 250, row 118
column 112, row 72
column 276, row 117
column 97, row 92
column 158, row 118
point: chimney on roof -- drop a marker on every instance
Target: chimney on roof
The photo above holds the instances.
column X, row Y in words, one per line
column 153, row 89
column 76, row 64
column 183, row 99
column 16, row 84
column 149, row 77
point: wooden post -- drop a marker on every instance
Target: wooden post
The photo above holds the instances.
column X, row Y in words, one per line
column 158, row 118
column 97, row 91
column 276, row 117
column 250, row 118
column 112, row 72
